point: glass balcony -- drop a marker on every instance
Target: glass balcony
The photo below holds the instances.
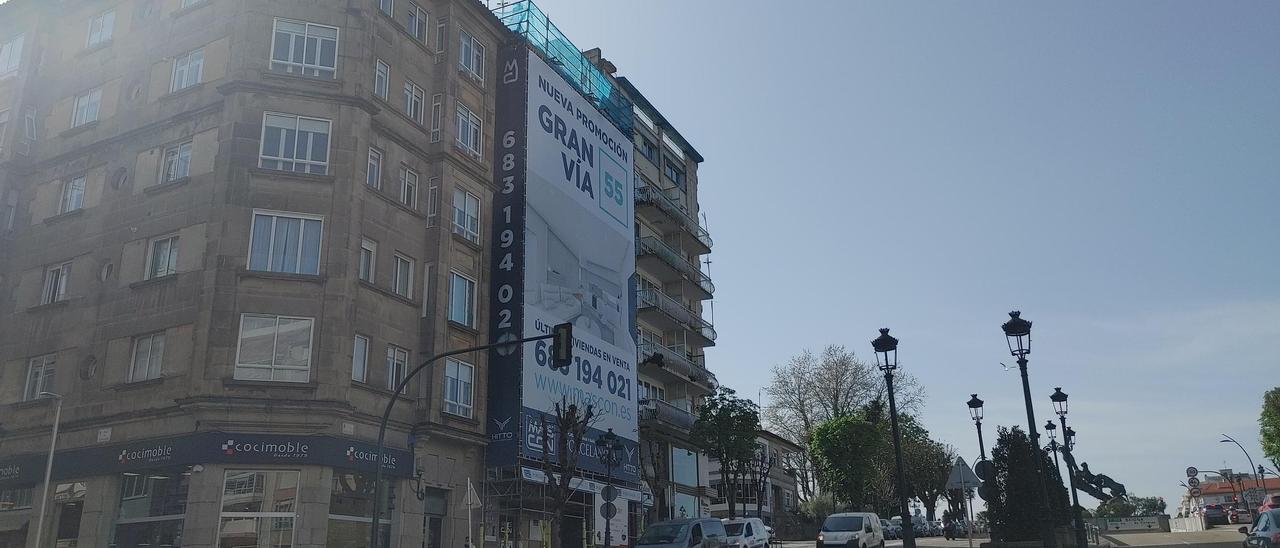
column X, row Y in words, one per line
column 660, row 413
column 670, row 266
column 664, row 210
column 669, row 314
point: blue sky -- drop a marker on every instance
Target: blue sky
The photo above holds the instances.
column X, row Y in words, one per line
column 1108, row 168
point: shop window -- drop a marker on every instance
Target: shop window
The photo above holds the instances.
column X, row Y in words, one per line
column 258, row 508
column 152, row 507
column 351, row 510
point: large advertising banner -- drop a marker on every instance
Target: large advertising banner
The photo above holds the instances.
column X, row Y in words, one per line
column 564, row 251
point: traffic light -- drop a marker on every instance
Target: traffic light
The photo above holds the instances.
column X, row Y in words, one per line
column 562, row 346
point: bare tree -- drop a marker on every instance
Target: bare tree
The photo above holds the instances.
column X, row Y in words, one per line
column 761, row 466
column 657, row 476
column 568, row 431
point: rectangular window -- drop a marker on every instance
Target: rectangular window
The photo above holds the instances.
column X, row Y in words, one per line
column 437, row 115
column 458, row 387
column 368, row 259
column 258, row 508
column 409, row 187
column 351, row 510
column 382, row 80
column 285, row 243
column 39, row 376
column 152, row 506
column 187, row 70
column 684, row 466
column 162, row 257
column 471, row 54
column 650, row 391
column 148, row 355
column 648, row 149
column 402, row 278
column 274, row 348
column 72, row 197
column 100, row 28
column 294, row 143
column 4, row 126
column 189, row 3
column 414, row 98
column 417, row 22
column 177, row 162
column 675, row 174
column 373, row 175
column 466, row 215
column 433, row 200
column 387, row 6
column 360, row 359
column 397, row 365
column 469, row 130
column 11, row 55
column 440, row 36
column 15, row 498
column 299, row 47
column 55, row 283
column 86, row 107
column 462, row 299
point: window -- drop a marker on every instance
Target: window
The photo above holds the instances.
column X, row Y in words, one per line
column 402, row 278
column 15, row 498
column 471, row 54
column 351, row 510
column 469, row 130
column 285, row 243
column 148, row 355
column 462, row 298
column 684, row 466
column 304, row 48
column 86, row 107
column 466, row 215
column 152, row 506
column 648, row 149
column 458, row 387
column 100, row 28
column 274, row 348
column 258, row 508
column 433, row 200
column 177, row 162
column 162, row 257
column 189, row 3
column 55, row 283
column 409, row 187
column 437, row 113
column 373, row 176
column 360, row 359
column 650, row 391
column 368, row 259
column 387, row 6
column 4, row 126
column 295, row 143
column 39, row 375
column 72, row 197
column 381, row 79
column 417, row 22
column 672, row 172
column 397, row 365
column 11, row 55
column 414, row 98
column 187, row 70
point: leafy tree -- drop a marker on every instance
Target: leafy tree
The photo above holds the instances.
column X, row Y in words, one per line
column 1148, row 506
column 727, row 426
column 1017, row 510
column 1269, row 424
column 1118, row 507
column 845, row 452
column 820, row 506
column 928, row 465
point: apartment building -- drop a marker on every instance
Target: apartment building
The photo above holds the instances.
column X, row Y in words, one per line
column 770, row 496
column 229, row 228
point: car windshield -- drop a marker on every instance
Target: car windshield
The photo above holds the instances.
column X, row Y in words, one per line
column 733, row 529
column 842, row 523
column 662, row 533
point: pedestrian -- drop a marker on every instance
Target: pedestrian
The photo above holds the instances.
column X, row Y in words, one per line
column 949, row 530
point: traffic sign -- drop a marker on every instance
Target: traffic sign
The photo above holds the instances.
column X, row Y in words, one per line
column 961, row 476
column 1195, row 492
column 986, row 492
column 1193, row 482
column 1192, row 472
column 985, row 470
column 608, row 510
column 610, row 493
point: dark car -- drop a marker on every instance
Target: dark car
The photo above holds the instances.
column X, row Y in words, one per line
column 1265, row 532
column 1215, row 514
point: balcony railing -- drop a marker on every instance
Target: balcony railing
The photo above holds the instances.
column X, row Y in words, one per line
column 652, row 298
column 646, row 194
column 650, row 245
column 661, row 411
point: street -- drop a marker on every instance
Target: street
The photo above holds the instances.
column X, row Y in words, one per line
column 1216, row 538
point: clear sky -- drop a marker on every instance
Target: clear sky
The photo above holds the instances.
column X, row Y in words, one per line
column 1111, row 169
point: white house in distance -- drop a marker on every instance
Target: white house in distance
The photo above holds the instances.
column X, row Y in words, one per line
column 779, row 487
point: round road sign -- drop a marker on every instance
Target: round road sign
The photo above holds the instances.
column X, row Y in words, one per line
column 984, row 491
column 985, row 471
column 609, row 493
column 1192, row 472
column 1195, row 492
column 608, row 510
column 1193, row 482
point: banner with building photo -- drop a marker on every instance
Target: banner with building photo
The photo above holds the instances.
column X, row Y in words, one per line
column 563, row 251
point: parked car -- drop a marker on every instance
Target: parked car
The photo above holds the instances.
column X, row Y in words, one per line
column 891, row 531
column 746, row 533
column 684, row 533
column 852, row 530
column 1265, row 533
column 1273, row 503
column 1215, row 514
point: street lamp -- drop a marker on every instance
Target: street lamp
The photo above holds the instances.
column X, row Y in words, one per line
column 1052, row 429
column 1017, row 331
column 1059, row 399
column 1256, row 481
column 975, row 411
column 886, row 348
column 48, row 465
column 610, row 444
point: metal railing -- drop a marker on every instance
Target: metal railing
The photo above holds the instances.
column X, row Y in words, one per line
column 649, row 195
column 661, row 411
column 649, row 245
column 652, row 298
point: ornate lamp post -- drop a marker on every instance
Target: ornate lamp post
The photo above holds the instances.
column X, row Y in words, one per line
column 610, row 444
column 1059, row 399
column 975, row 411
column 1018, row 333
column 886, row 348
column 1053, row 446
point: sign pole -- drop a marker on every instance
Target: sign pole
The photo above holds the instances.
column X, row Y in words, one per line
column 964, row 497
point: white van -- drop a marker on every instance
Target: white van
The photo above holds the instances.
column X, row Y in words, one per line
column 852, row 530
column 746, row 533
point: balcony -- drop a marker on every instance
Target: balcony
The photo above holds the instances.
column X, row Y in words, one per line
column 660, row 414
column 674, row 366
column 671, row 266
column 659, row 208
column 669, row 314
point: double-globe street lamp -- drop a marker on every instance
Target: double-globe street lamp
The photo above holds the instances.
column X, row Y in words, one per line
column 1017, row 331
column 1059, row 399
column 886, row 348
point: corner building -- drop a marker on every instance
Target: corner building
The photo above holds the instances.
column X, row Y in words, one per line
column 229, row 227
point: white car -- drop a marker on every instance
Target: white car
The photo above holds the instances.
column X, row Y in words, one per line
column 852, row 530
column 746, row 533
